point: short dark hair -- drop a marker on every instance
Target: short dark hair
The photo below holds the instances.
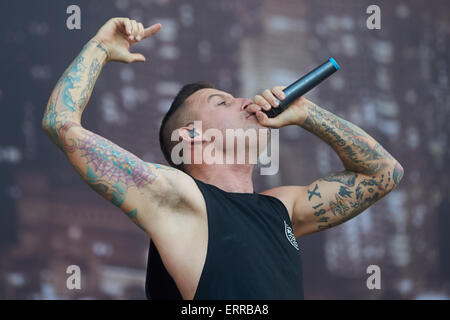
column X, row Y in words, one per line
column 172, row 119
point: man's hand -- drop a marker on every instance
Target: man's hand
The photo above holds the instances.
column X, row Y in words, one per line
column 118, row 34
column 369, row 174
column 295, row 114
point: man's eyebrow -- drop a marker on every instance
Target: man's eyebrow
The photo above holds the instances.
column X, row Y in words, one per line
column 216, row 95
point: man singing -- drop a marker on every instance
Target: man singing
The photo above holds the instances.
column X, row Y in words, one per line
column 217, row 238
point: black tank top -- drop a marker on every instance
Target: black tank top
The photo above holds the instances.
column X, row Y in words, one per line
column 252, row 252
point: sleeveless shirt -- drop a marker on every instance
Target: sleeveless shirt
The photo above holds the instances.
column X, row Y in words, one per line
column 252, row 252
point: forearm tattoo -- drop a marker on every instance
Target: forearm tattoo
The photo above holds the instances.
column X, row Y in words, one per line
column 358, row 151
column 72, row 92
column 351, row 197
column 370, row 171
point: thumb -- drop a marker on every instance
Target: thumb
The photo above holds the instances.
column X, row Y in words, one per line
column 266, row 121
column 136, row 57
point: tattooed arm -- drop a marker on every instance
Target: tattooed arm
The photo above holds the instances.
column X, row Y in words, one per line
column 138, row 188
column 370, row 172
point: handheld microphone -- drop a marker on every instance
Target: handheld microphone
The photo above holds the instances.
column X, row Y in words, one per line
column 303, row 85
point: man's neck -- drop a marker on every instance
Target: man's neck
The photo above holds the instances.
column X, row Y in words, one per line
column 228, row 177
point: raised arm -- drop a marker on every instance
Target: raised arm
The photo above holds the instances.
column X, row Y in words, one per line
column 370, row 172
column 138, row 188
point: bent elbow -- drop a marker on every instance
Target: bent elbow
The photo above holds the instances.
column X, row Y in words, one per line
column 45, row 125
column 397, row 173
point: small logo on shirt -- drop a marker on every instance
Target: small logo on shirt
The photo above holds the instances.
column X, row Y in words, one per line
column 290, row 235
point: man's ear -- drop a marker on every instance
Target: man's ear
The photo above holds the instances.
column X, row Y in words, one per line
column 190, row 133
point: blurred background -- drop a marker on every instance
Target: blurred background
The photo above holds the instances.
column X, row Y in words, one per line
column 393, row 83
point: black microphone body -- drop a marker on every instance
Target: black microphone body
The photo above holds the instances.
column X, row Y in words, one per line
column 303, row 85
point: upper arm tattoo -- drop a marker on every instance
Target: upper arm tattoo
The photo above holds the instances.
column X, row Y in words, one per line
column 108, row 169
column 113, row 163
column 354, row 193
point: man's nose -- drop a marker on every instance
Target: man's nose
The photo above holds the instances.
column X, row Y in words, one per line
column 244, row 103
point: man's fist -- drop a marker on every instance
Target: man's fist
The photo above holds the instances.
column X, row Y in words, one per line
column 294, row 114
column 118, row 34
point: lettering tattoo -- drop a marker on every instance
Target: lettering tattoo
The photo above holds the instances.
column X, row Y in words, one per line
column 314, row 193
column 352, row 197
column 321, row 211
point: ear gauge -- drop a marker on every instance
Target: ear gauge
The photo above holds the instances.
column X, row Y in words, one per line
column 192, row 133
